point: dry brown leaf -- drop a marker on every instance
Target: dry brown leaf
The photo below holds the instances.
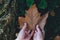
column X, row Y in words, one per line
column 32, row 17
column 21, row 21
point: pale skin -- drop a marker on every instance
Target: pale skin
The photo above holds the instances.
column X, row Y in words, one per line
column 36, row 34
column 23, row 34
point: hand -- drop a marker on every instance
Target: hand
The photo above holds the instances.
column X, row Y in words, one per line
column 37, row 34
column 24, row 34
column 43, row 22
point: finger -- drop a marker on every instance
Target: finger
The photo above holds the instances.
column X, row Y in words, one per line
column 22, row 32
column 31, row 34
column 20, row 35
column 26, row 32
column 35, row 35
column 29, row 31
column 24, row 27
column 37, row 28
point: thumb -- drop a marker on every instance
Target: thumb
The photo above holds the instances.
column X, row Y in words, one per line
column 24, row 27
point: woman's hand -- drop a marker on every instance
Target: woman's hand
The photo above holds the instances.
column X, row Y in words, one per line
column 43, row 22
column 24, row 34
column 38, row 34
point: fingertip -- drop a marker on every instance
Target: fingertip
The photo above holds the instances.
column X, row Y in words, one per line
column 25, row 25
column 31, row 34
column 37, row 26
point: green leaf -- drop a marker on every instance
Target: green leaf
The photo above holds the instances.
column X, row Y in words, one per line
column 43, row 4
column 29, row 2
